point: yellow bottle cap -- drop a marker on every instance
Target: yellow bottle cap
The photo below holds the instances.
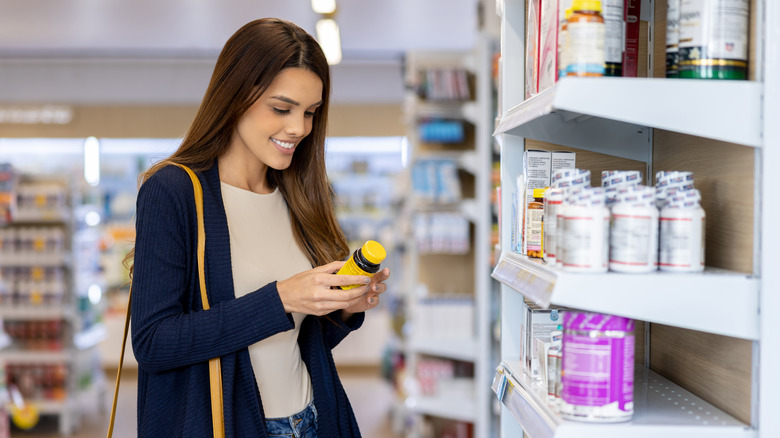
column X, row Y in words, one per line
column 568, row 13
column 373, row 251
column 539, row 193
column 586, row 5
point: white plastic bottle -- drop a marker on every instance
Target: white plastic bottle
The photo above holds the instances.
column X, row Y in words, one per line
column 553, row 200
column 586, row 224
column 633, row 241
column 683, row 223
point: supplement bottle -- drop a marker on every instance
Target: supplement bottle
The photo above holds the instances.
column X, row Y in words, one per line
column 683, row 222
column 672, row 37
column 597, row 368
column 714, row 39
column 614, row 37
column 633, row 236
column 585, row 39
column 563, row 43
column 534, row 227
column 586, row 232
column 553, row 199
column 364, row 261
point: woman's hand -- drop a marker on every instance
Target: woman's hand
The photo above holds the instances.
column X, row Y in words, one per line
column 371, row 298
column 316, row 292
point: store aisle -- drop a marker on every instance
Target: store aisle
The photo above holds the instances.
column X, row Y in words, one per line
column 370, row 395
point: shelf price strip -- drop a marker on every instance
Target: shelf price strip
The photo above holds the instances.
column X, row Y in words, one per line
column 538, row 288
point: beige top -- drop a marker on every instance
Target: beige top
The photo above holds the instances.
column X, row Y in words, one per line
column 262, row 249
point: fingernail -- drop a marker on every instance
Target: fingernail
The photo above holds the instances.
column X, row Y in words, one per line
column 374, row 288
column 372, row 300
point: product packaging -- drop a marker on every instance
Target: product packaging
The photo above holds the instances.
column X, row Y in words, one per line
column 364, row 261
column 537, row 327
column 548, row 44
column 597, row 369
column 538, row 167
column 631, row 53
column 532, row 48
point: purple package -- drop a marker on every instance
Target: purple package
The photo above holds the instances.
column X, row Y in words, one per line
column 597, row 368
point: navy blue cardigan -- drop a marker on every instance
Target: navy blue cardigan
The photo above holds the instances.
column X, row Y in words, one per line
column 173, row 338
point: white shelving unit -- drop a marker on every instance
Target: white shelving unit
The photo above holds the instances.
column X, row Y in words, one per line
column 462, row 401
column 616, row 116
column 80, row 331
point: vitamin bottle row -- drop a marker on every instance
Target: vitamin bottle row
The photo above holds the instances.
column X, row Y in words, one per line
column 623, row 226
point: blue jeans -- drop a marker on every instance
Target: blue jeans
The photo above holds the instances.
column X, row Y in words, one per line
column 301, row 425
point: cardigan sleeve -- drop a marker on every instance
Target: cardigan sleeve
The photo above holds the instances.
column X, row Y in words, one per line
column 334, row 330
column 169, row 327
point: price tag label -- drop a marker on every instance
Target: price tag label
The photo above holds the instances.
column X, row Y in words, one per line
column 501, row 387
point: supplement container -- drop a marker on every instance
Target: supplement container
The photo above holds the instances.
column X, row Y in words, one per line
column 553, row 200
column 364, row 261
column 585, row 239
column 633, row 235
column 533, row 225
column 585, row 39
column 682, row 225
column 597, row 370
column 714, row 39
column 672, row 38
column 614, row 38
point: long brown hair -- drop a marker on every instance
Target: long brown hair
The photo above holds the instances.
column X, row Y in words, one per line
column 247, row 65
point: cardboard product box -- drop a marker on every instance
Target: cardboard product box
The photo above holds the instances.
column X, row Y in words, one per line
column 548, row 44
column 536, row 175
column 631, row 12
column 532, row 48
column 563, row 160
column 538, row 324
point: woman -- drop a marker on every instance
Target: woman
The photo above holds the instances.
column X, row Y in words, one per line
column 272, row 251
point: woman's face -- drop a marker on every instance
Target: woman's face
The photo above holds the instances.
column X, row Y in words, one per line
column 271, row 129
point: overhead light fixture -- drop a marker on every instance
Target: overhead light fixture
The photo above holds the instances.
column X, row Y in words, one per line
column 330, row 39
column 323, row 6
column 92, row 161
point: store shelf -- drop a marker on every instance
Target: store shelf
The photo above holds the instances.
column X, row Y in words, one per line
column 445, row 109
column 458, row 349
column 466, row 160
column 16, row 313
column 606, row 114
column 90, row 337
column 36, row 356
column 721, row 302
column 661, row 408
column 459, row 407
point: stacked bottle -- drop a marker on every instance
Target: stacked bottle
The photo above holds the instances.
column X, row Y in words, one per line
column 562, row 181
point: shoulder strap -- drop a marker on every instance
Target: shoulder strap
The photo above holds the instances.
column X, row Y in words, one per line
column 215, row 365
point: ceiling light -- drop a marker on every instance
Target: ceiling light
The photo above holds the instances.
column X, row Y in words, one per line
column 92, row 161
column 323, row 6
column 330, row 40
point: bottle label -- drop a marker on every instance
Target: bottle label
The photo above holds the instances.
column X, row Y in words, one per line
column 614, row 38
column 586, row 241
column 585, row 53
column 632, row 240
column 597, row 372
column 351, row 268
column 713, row 30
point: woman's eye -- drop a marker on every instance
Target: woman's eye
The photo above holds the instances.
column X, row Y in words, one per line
column 310, row 113
column 281, row 111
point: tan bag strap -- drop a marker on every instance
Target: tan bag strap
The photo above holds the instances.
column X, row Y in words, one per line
column 215, row 365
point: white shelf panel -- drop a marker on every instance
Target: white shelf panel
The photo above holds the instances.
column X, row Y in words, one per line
column 15, row 355
column 14, row 313
column 720, row 110
column 715, row 301
column 661, row 408
column 90, row 337
column 459, row 349
column 458, row 407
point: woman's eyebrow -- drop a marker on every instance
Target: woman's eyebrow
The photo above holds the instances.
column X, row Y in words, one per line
column 291, row 101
